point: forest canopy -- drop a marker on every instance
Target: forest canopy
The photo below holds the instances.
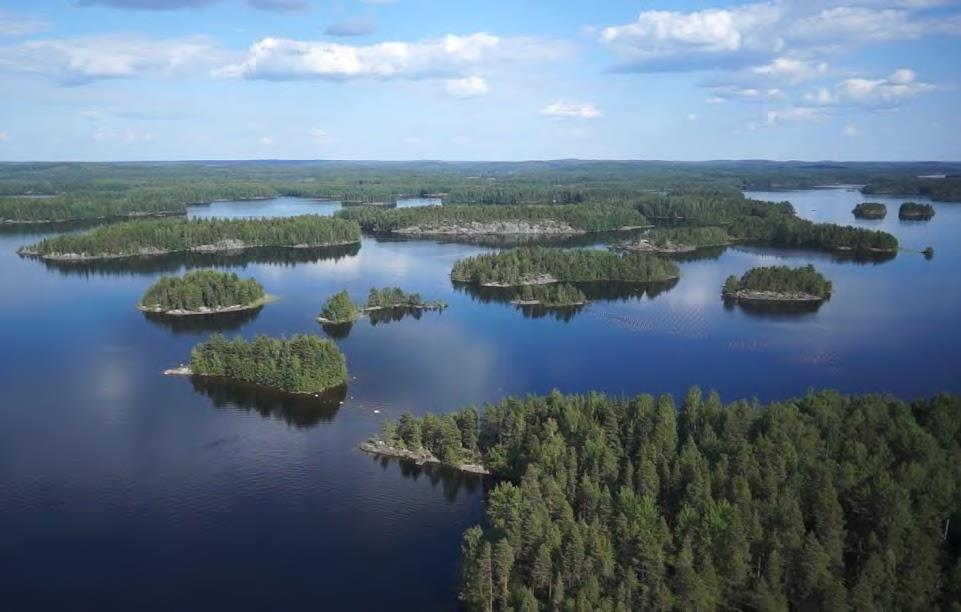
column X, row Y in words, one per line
column 299, row 364
column 826, row 502
column 781, row 281
column 160, row 236
column 913, row 210
column 539, row 265
column 870, row 210
column 202, row 290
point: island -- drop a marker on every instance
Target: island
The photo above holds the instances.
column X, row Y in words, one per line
column 702, row 505
column 541, row 265
column 480, row 220
column 870, row 210
column 340, row 309
column 202, row 292
column 152, row 237
column 778, row 284
column 679, row 240
column 912, row 211
column 559, row 295
column 301, row 364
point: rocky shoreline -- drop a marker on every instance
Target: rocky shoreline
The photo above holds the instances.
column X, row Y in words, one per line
column 421, row 457
column 225, row 246
column 772, row 296
column 479, row 228
column 207, row 311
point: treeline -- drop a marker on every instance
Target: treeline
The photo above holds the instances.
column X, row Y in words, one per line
column 339, row 308
column 156, row 236
column 783, row 280
column 947, row 189
column 395, row 297
column 556, row 295
column 870, row 210
column 913, row 210
column 536, row 265
column 426, row 218
column 202, row 289
column 299, row 364
column 693, row 237
column 828, row 502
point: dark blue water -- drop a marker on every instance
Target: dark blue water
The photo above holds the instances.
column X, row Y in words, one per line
column 124, row 489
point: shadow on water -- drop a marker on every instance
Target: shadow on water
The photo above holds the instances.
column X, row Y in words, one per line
column 337, row 331
column 55, row 227
column 392, row 315
column 595, row 292
column 858, row 258
column 173, row 262
column 775, row 310
column 194, row 324
column 298, row 411
column 451, row 481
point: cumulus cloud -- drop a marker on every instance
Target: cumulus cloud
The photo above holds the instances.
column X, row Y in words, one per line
column 21, row 25
column 725, row 93
column 469, row 87
column 562, row 109
column 898, row 87
column 354, row 26
column 80, row 60
column 791, row 70
column 792, row 114
column 447, row 57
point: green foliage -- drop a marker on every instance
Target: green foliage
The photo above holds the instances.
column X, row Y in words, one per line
column 946, row 189
column 696, row 237
column 527, row 265
column 339, row 308
column 870, row 210
column 395, row 297
column 913, row 210
column 826, row 502
column 147, row 237
column 551, row 296
column 434, row 218
column 782, row 280
column 202, row 289
column 300, row 364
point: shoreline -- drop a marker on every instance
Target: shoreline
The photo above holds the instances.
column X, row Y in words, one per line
column 379, row 448
column 772, row 296
column 268, row 298
column 185, row 370
column 554, row 280
column 151, row 252
column 671, row 248
column 363, row 312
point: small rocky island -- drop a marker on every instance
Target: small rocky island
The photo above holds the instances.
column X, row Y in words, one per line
column 203, row 292
column 542, row 266
column 340, row 309
column 679, row 240
column 448, row 439
column 912, row 211
column 301, row 364
column 560, row 295
column 778, row 284
column 870, row 210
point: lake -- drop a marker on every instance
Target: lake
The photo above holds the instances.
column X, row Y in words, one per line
column 124, row 489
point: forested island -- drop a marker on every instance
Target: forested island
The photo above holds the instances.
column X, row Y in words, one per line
column 299, row 364
column 609, row 503
column 340, row 308
column 150, row 237
column 504, row 219
column 558, row 295
column 913, row 211
column 202, row 292
column 870, row 210
column 943, row 189
column 778, row 284
column 540, row 265
column 679, row 240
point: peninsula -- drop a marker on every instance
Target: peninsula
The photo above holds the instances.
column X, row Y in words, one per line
column 679, row 240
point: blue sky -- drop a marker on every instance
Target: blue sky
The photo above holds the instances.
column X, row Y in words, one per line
column 518, row 79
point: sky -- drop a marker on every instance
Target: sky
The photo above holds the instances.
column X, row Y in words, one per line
column 105, row 80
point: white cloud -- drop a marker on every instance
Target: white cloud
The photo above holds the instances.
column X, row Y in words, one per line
column 280, row 59
column 83, row 59
column 724, row 93
column 792, row 70
column 715, row 100
column 4, row 137
column 21, row 25
column 469, row 87
column 900, row 86
column 792, row 114
column 692, row 117
column 279, row 6
column 319, row 135
column 562, row 109
column 266, row 141
column 851, row 130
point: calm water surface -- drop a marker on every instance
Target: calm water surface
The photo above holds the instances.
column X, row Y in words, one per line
column 124, row 489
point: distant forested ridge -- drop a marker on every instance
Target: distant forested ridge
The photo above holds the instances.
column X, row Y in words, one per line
column 946, row 189
column 202, row 291
column 495, row 219
column 778, row 282
column 160, row 236
column 828, row 502
column 913, row 210
column 299, row 364
column 540, row 265
column 870, row 210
